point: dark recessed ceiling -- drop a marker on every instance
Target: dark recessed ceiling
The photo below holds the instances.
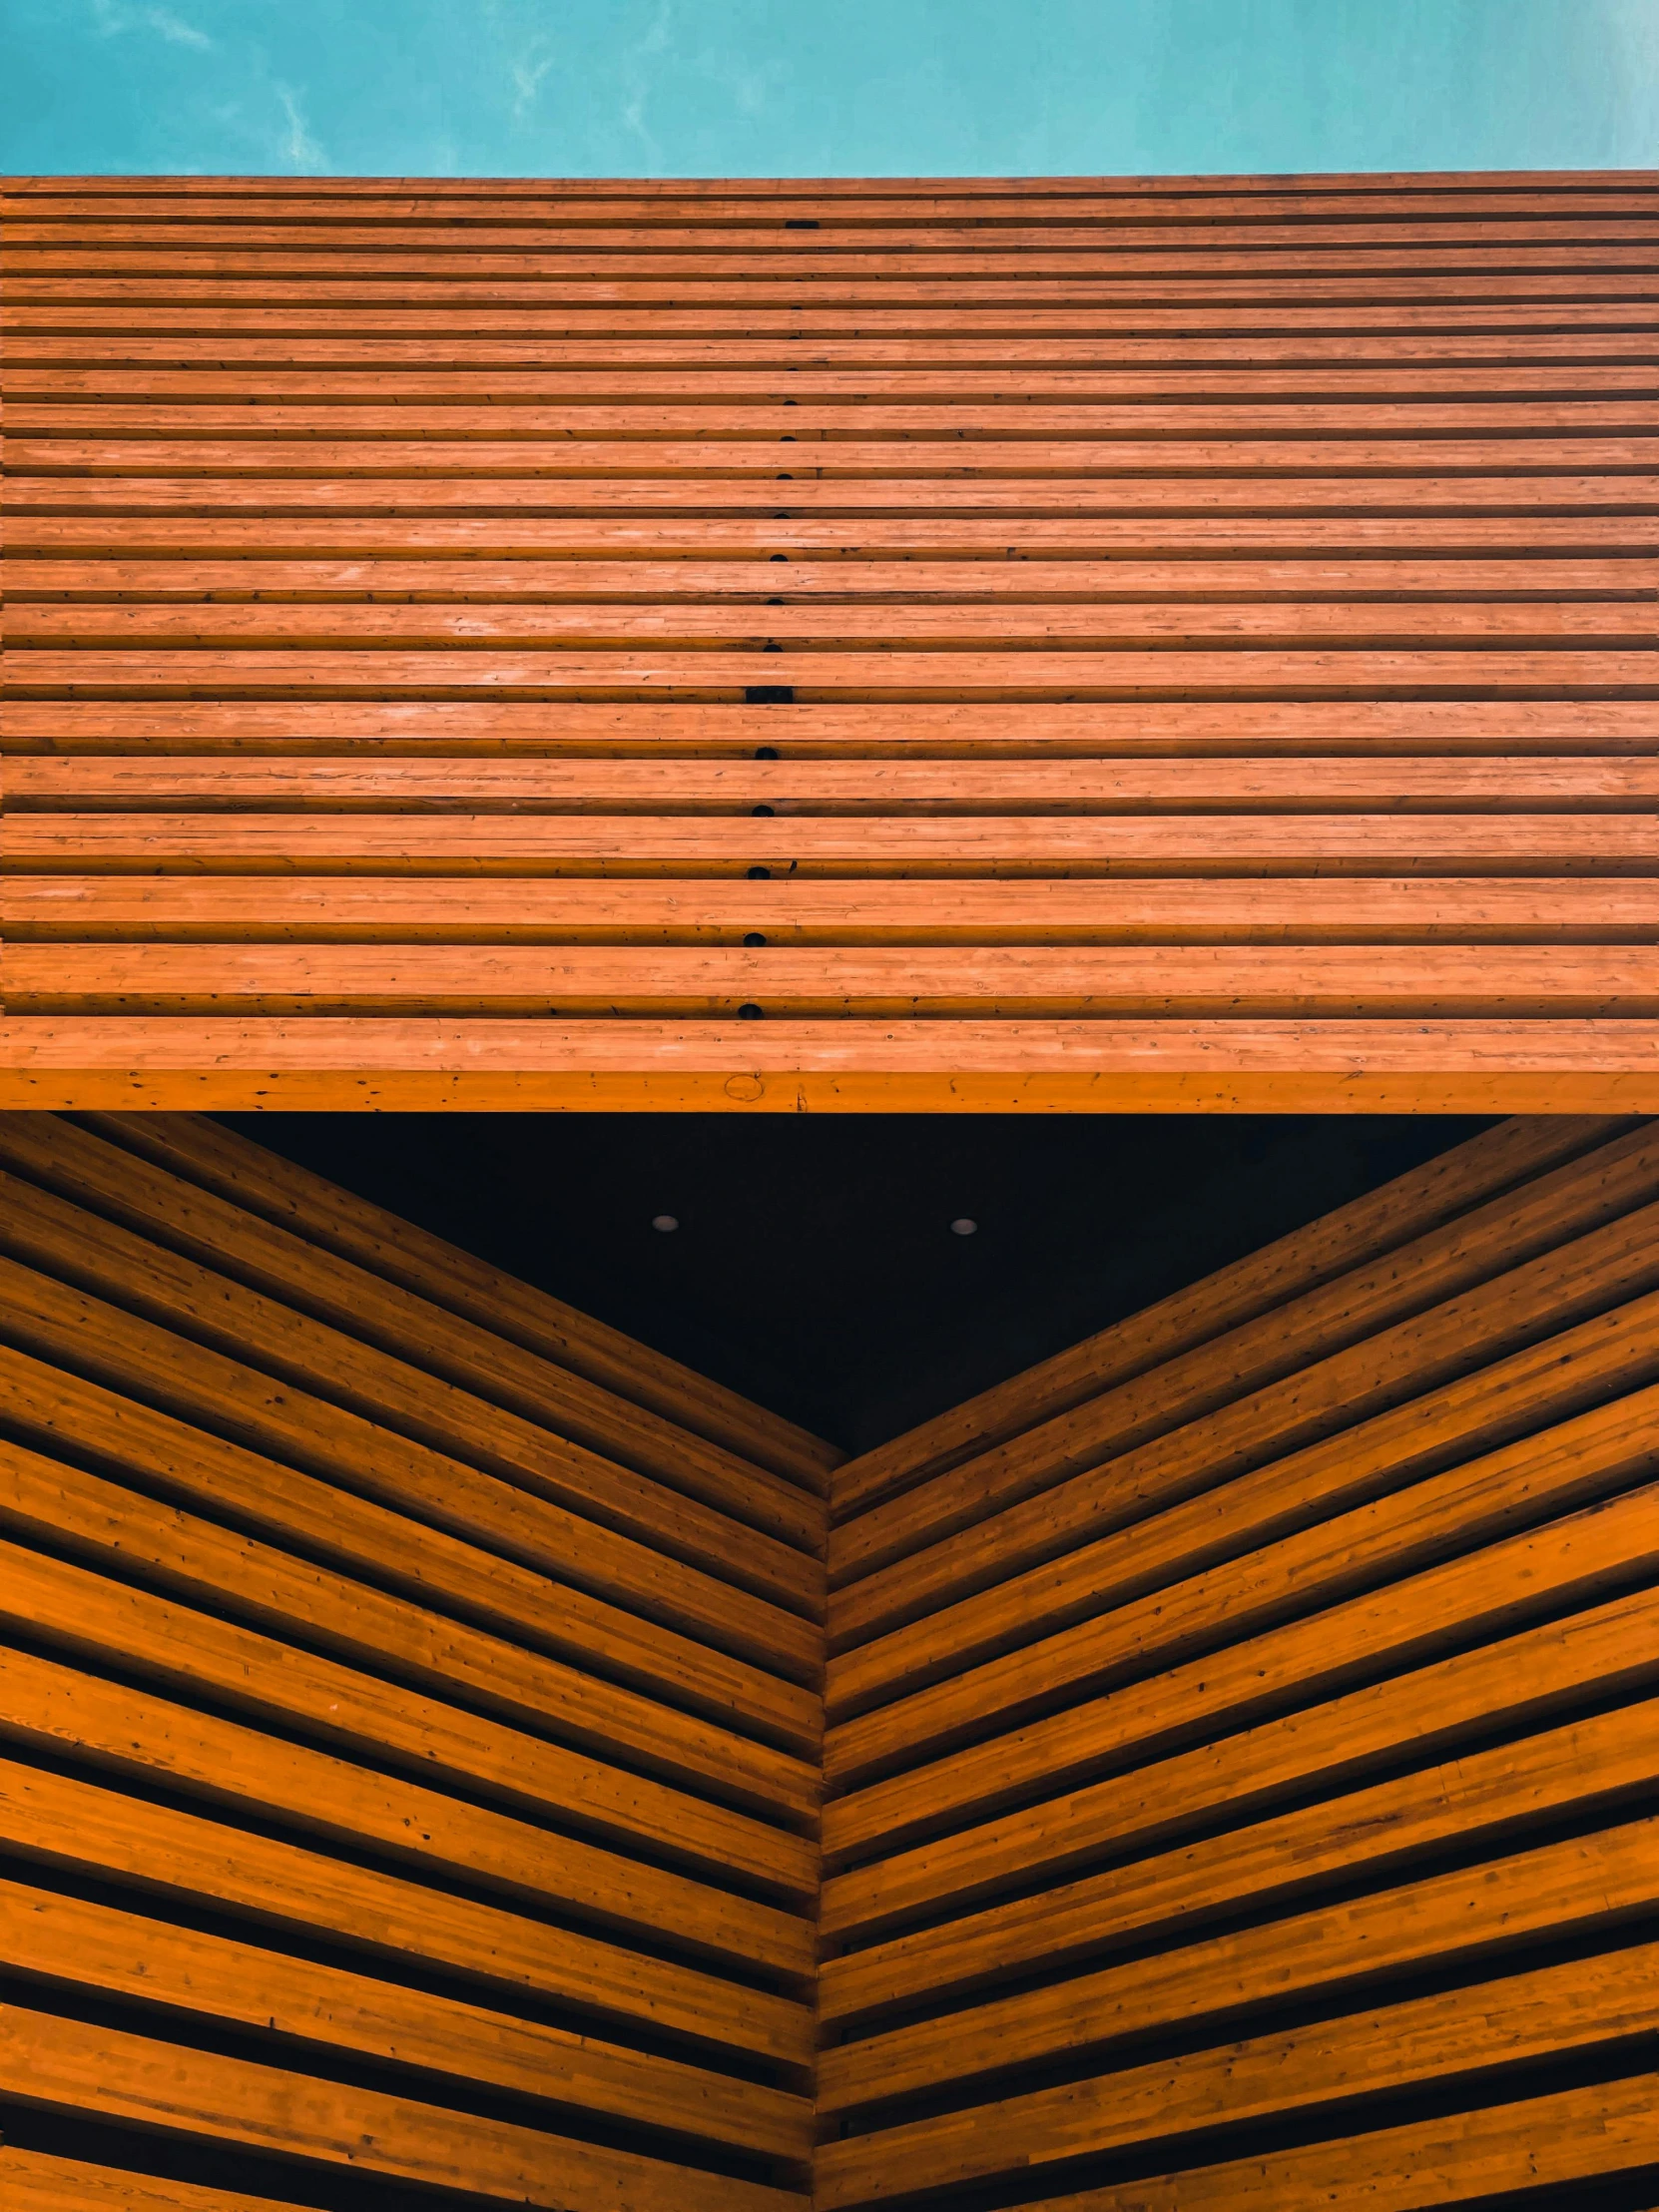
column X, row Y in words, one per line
column 814, row 1267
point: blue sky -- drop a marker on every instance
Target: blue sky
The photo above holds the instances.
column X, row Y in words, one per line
column 825, row 87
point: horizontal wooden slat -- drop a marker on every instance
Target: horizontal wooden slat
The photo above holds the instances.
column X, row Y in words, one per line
column 932, row 788
column 92, row 979
column 1510, row 347
column 1135, row 492
column 1000, row 844
column 387, row 230
column 123, row 2076
column 834, row 378
column 1505, row 326
column 587, row 910
column 718, row 674
column 1581, row 626
column 734, row 582
column 1620, row 454
column 1186, row 730
column 807, row 420
column 189, row 1063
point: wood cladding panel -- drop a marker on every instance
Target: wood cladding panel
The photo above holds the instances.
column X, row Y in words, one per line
column 1273, row 1827
column 362, row 1804
column 1219, row 547
column 1279, row 1818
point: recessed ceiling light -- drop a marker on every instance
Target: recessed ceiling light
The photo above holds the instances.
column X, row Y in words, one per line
column 666, row 1223
column 963, row 1225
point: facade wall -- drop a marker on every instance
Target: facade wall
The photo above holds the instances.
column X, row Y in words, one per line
column 1241, row 1776
column 409, row 1738
column 1076, row 644
column 1243, row 1751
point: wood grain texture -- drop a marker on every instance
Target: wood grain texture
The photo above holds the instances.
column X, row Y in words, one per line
column 328, row 1761
column 1345, row 487
column 1275, row 1823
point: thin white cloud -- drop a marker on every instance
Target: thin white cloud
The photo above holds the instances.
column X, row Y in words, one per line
column 111, row 17
column 637, row 72
column 170, row 26
column 299, row 145
column 528, row 69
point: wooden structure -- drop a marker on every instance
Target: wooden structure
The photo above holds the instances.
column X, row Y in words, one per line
column 1241, row 1781
column 1080, row 644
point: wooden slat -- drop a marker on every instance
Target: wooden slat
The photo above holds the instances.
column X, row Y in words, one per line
column 1033, row 421
column 932, row 788
column 1469, row 542
column 386, row 230
column 1494, row 584
column 118, row 909
column 689, row 846
column 119, row 979
column 36, row 2182
column 1630, row 455
column 187, row 1063
column 1573, row 487
column 1363, row 728
column 195, row 2095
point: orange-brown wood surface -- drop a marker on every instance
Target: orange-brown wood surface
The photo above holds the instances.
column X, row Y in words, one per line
column 410, row 1699
column 886, row 644
column 1243, row 1754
